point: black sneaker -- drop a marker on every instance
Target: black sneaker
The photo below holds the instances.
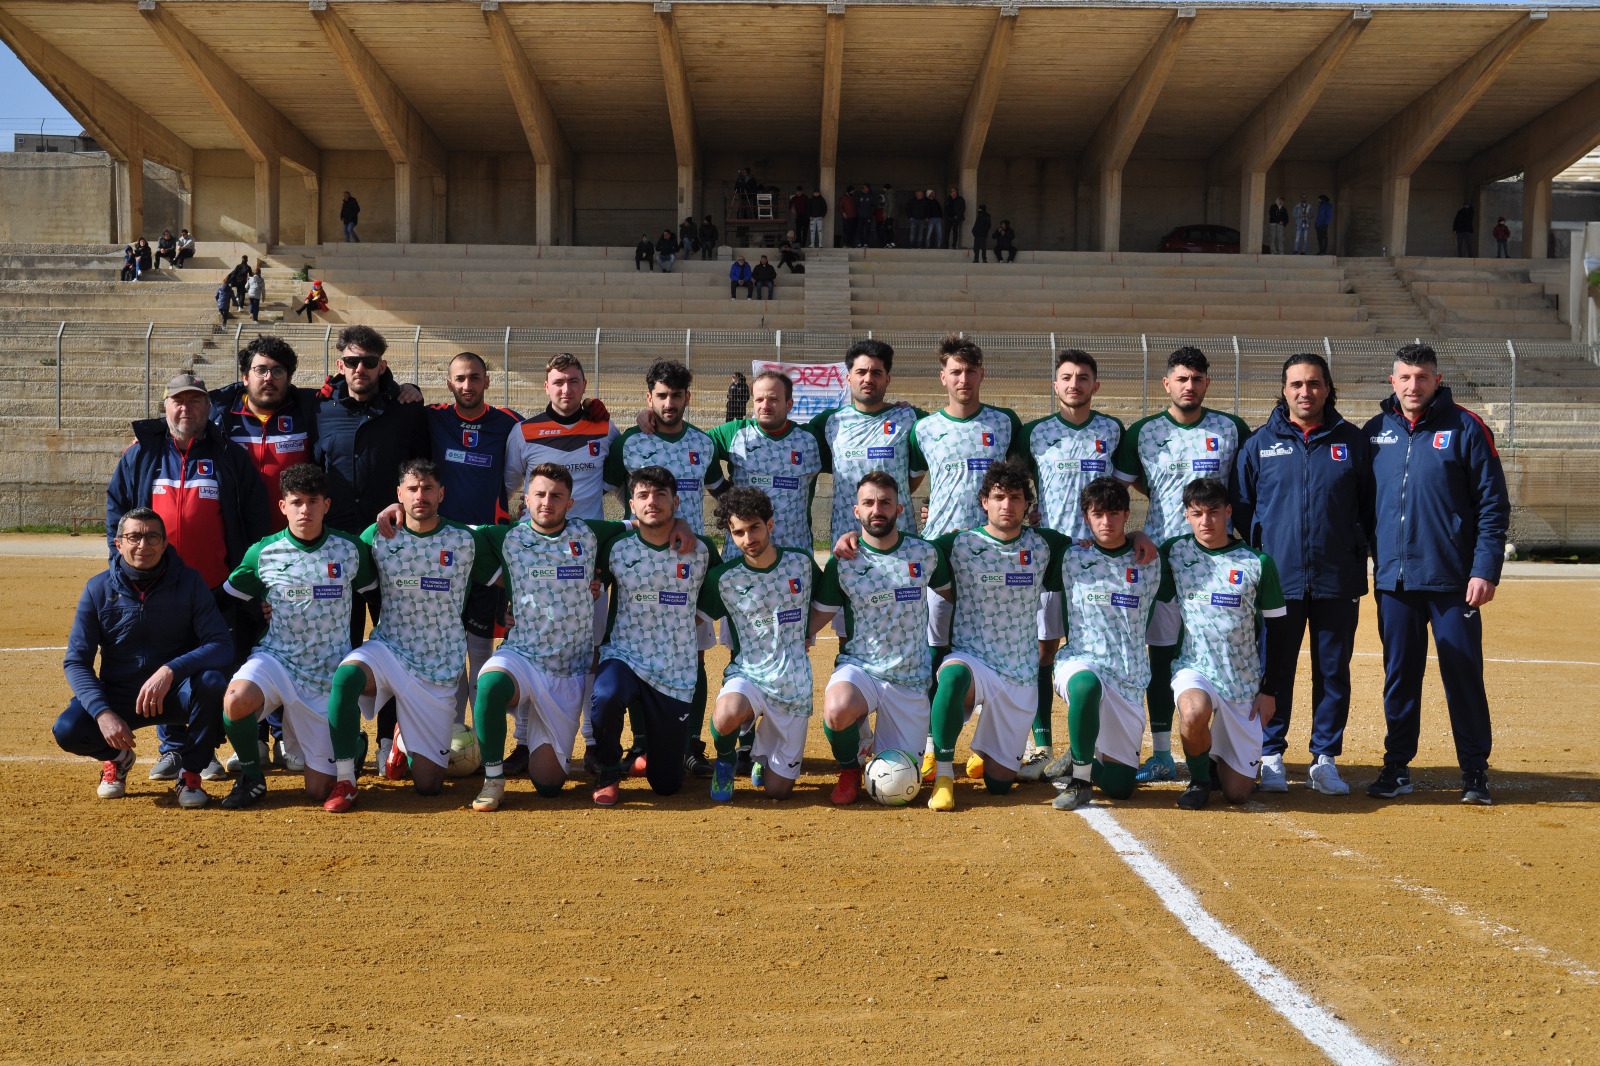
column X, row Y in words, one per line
column 695, row 761
column 1395, row 780
column 247, row 792
column 1075, row 793
column 743, row 765
column 1196, row 796
column 1475, row 788
column 516, row 763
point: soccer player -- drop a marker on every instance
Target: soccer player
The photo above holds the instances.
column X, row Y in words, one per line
column 771, row 453
column 764, row 599
column 884, row 664
column 1102, row 672
column 305, row 573
column 1160, row 455
column 998, row 570
column 1221, row 588
column 648, row 661
column 418, row 649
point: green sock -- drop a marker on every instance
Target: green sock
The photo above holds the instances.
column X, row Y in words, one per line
column 344, row 710
column 495, row 690
column 936, row 654
column 636, row 723
column 1199, row 766
column 846, row 744
column 1114, row 779
column 1041, row 717
column 949, row 709
column 1083, row 715
column 725, row 743
column 1158, row 694
column 996, row 787
column 697, row 708
column 242, row 734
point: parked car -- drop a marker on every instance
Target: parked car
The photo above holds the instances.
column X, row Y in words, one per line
column 1222, row 239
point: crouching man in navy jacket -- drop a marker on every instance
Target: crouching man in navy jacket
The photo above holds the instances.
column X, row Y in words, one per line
column 1303, row 494
column 1442, row 515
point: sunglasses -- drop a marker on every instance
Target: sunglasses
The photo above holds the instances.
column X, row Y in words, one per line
column 370, row 362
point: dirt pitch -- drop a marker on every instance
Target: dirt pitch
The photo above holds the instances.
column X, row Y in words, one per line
column 677, row 931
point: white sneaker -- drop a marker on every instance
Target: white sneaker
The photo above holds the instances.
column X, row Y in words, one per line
column 1034, row 760
column 494, row 790
column 288, row 759
column 384, row 747
column 1324, row 777
column 1272, row 776
column 214, row 771
column 190, row 795
column 166, row 767
column 114, row 776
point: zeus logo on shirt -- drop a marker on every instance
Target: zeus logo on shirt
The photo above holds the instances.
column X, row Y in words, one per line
column 447, row 558
column 1388, row 436
column 469, row 438
column 335, row 570
column 1279, row 448
column 1339, row 453
column 1441, row 439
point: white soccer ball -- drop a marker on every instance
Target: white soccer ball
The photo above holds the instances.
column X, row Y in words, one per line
column 892, row 778
column 464, row 756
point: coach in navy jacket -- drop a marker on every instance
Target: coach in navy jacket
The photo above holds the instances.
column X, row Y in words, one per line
column 1303, row 494
column 1442, row 515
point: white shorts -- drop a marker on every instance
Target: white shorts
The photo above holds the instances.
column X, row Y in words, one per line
column 547, row 706
column 941, row 612
column 780, row 740
column 1048, row 620
column 1121, row 721
column 305, row 710
column 1235, row 738
column 901, row 713
column 426, row 712
column 705, row 634
column 1008, row 708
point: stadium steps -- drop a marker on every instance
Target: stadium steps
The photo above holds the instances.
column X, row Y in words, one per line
column 1390, row 307
column 1483, row 297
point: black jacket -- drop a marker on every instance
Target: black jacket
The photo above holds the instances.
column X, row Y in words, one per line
column 361, row 446
column 763, row 272
column 1005, row 237
column 819, row 206
column 667, row 246
column 980, row 226
column 708, row 234
column 239, row 275
column 955, row 208
column 1463, row 222
column 1277, row 216
column 643, row 250
column 349, row 210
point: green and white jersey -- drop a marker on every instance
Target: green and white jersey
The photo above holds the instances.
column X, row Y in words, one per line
column 957, row 452
column 885, row 609
column 1221, row 595
column 785, row 467
column 1168, row 456
column 547, row 582
column 997, row 585
column 424, row 579
column 765, row 614
column 307, row 584
column 654, row 597
column 858, row 442
column 691, row 455
column 1065, row 458
column 1107, row 600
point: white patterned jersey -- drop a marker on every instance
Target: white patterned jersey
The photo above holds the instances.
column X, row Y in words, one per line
column 654, row 597
column 1168, row 456
column 424, row 579
column 858, row 442
column 997, row 585
column 692, row 456
column 957, row 452
column 785, row 467
column 307, row 584
column 1065, row 458
column 885, row 609
column 1221, row 594
column 547, row 583
column 765, row 614
column 1107, row 601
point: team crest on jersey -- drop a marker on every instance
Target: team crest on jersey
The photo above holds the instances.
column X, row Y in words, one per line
column 1024, row 558
column 203, row 467
column 1235, row 577
column 594, row 447
column 577, row 549
column 987, row 439
column 888, row 429
column 683, row 571
column 1101, row 447
column 469, row 438
column 447, row 558
column 1339, row 453
column 335, row 570
column 1213, row 444
column 794, row 458
column 1441, row 439
column 285, row 424
column 694, row 458
column 794, row 585
column 1133, row 576
column 915, row 568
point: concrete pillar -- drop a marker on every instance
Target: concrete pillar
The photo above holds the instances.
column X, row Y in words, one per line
column 544, row 203
column 185, row 200
column 1109, row 203
column 130, row 200
column 967, row 182
column 313, row 187
column 566, row 208
column 404, row 199
column 686, row 197
column 267, row 175
column 1482, row 224
column 1252, row 210
column 1535, row 217
column 1395, row 211
column 828, row 183
column 439, row 233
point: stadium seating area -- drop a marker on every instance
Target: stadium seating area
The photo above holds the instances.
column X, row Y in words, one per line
column 1488, row 297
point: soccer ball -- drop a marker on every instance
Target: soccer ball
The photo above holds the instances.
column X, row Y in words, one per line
column 892, row 778
column 464, row 757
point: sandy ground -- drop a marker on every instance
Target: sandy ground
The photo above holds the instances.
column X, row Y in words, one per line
column 414, row 930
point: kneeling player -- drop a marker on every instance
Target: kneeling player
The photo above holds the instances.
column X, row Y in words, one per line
column 304, row 575
column 1103, row 669
column 884, row 663
column 999, row 570
column 418, row 649
column 765, row 596
column 1220, row 587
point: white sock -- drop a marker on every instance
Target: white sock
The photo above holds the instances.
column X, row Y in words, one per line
column 1161, row 742
column 1080, row 771
column 928, row 748
column 345, row 770
column 945, row 769
column 494, row 769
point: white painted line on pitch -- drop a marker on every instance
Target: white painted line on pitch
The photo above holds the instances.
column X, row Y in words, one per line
column 52, row 648
column 1335, row 1039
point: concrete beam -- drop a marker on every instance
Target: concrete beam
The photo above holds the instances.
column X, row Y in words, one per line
column 552, row 156
column 1113, row 140
column 980, row 104
column 1546, row 146
column 828, row 150
column 680, row 105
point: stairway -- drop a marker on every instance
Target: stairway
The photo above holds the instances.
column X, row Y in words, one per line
column 1390, row 306
column 827, row 290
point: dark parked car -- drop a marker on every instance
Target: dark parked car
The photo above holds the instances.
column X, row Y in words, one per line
column 1201, row 239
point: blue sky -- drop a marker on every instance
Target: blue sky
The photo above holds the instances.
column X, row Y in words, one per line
column 23, row 102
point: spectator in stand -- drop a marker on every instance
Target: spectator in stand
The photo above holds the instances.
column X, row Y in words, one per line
column 883, row 216
column 666, row 251
column 130, row 265
column 980, row 234
column 349, row 214
column 1277, row 222
column 799, row 210
column 744, row 194
column 764, row 274
column 817, row 210
column 142, row 256
column 166, row 248
column 738, row 399
column 1324, row 219
column 185, row 249
column 1462, row 227
column 255, row 290
column 739, row 275
column 223, row 296
column 849, row 206
column 708, row 239
column 866, row 208
column 917, row 213
column 935, row 224
column 686, row 235
column 236, row 280
column 316, row 300
column 955, row 214
column 1302, row 225
column 644, row 252
column 1005, row 243
column 1502, row 234
column 787, row 255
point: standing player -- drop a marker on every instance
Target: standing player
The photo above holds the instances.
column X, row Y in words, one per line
column 884, row 665
column 998, row 569
column 418, row 649
column 305, row 574
column 1160, row 455
column 648, row 661
column 764, row 596
column 1222, row 589
column 771, row 453
column 1108, row 599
